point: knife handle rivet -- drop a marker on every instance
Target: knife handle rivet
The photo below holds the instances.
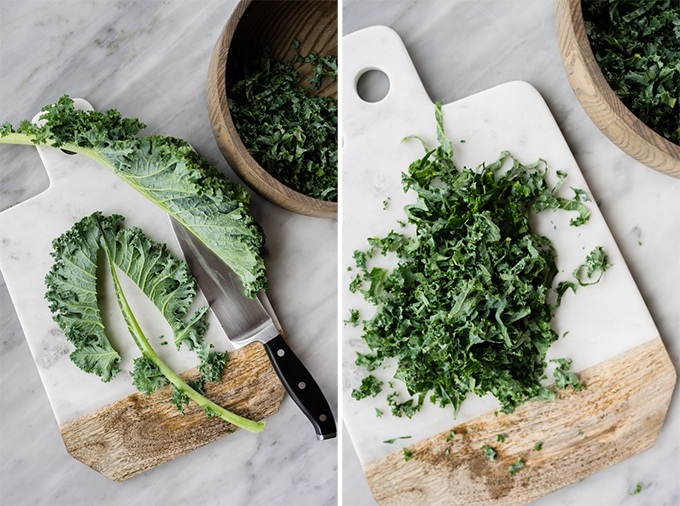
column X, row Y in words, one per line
column 322, row 418
column 301, row 385
column 281, row 352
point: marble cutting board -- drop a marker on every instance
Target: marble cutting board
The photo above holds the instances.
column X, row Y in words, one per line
column 607, row 329
column 109, row 426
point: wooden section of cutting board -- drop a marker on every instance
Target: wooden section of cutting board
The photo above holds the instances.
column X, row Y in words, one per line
column 109, row 426
column 619, row 414
column 606, row 328
column 141, row 431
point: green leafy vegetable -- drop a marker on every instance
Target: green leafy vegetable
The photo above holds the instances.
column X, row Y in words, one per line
column 72, row 296
column 637, row 489
column 407, row 454
column 466, row 308
column 291, row 133
column 370, row 387
column 501, row 437
column 405, row 408
column 596, row 262
column 564, row 377
column 489, row 452
column 167, row 171
column 637, row 46
column 513, row 468
column 353, row 318
column 391, row 441
column 538, row 446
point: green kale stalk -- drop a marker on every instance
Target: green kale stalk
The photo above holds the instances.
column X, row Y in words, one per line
column 72, row 294
column 467, row 308
column 290, row 132
column 167, row 171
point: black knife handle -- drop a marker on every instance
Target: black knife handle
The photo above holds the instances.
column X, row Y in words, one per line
column 302, row 388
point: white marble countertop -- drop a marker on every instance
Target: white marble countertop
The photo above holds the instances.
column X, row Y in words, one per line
column 460, row 47
column 150, row 60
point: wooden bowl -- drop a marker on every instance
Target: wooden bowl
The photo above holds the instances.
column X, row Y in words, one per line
column 600, row 102
column 274, row 23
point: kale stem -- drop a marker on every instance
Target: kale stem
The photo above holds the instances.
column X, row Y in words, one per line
column 30, row 140
column 16, row 138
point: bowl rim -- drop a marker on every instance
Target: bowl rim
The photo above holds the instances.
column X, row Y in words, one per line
column 609, row 113
column 230, row 143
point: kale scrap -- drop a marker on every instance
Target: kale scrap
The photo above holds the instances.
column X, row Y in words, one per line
column 466, row 309
column 637, row 45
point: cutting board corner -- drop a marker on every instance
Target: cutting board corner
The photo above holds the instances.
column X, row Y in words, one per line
column 140, row 432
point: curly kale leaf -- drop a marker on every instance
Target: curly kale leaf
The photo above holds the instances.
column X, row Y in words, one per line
column 72, row 295
column 167, row 171
column 72, row 288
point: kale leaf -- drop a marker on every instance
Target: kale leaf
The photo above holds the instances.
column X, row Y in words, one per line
column 167, row 171
column 72, row 296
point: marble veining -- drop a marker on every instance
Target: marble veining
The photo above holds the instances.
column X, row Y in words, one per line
column 149, row 59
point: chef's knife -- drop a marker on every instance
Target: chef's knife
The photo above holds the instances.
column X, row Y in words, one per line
column 246, row 320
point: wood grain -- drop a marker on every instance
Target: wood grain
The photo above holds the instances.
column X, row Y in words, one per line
column 600, row 102
column 619, row 413
column 140, row 432
column 274, row 23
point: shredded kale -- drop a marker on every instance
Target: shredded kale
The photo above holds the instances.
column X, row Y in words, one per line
column 637, row 489
column 519, row 464
column 406, row 408
column 637, row 46
column 391, row 441
column 489, row 452
column 564, row 377
column 353, row 318
column 370, row 387
column 596, row 262
column 466, row 309
column 290, row 132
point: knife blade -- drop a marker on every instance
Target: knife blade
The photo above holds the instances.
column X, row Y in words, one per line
column 246, row 320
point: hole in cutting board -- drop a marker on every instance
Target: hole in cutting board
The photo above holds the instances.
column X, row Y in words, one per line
column 373, row 86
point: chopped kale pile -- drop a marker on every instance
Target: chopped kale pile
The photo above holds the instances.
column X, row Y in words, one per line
column 637, row 46
column 467, row 309
column 288, row 130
